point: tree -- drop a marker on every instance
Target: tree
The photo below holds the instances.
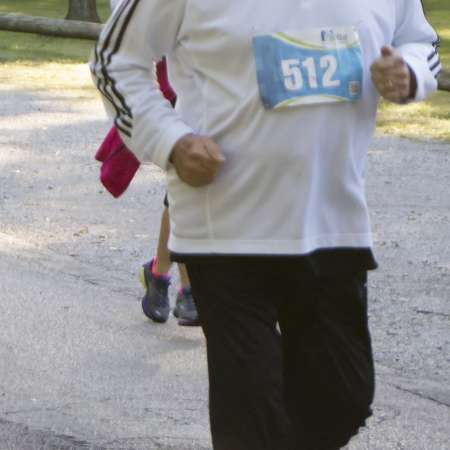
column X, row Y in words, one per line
column 50, row 27
column 84, row 10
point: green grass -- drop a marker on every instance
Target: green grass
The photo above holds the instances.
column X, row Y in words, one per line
column 438, row 13
column 430, row 119
column 47, row 8
column 36, row 48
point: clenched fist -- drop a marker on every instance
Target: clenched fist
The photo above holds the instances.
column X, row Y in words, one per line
column 392, row 77
column 197, row 160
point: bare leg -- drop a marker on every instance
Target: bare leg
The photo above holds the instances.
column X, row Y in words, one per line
column 184, row 278
column 163, row 263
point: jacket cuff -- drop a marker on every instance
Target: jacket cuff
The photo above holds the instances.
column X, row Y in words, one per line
column 426, row 83
column 168, row 139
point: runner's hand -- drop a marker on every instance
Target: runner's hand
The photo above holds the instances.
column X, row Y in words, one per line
column 392, row 77
column 197, row 160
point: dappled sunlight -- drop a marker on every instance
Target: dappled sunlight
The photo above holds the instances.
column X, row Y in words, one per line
column 47, row 119
column 84, row 368
column 10, row 158
column 47, row 76
column 9, row 241
column 53, row 122
column 425, row 120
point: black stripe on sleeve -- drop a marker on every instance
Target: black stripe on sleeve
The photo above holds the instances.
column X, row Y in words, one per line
column 119, row 126
column 110, row 31
column 436, row 75
column 111, row 81
column 122, row 31
column 435, row 65
column 436, row 69
column 432, row 54
column 103, row 83
column 433, row 61
column 437, row 43
column 107, row 84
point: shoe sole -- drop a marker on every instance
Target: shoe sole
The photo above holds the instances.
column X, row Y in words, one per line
column 185, row 322
column 188, row 323
column 144, row 285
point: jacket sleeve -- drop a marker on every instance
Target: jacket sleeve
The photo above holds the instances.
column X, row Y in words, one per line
column 138, row 33
column 418, row 43
column 113, row 4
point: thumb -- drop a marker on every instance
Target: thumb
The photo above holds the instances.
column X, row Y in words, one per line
column 214, row 152
column 387, row 51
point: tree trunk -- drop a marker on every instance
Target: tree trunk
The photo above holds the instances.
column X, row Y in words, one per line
column 83, row 10
column 50, row 27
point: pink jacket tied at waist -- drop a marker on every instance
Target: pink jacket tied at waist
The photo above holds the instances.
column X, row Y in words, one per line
column 119, row 164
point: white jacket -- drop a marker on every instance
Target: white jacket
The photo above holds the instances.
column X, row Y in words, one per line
column 293, row 180
column 114, row 3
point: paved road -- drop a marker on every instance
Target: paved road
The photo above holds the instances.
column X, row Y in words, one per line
column 81, row 368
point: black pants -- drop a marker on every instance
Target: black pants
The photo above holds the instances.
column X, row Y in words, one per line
column 310, row 388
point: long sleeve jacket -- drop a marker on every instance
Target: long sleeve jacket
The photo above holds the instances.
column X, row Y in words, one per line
column 293, row 180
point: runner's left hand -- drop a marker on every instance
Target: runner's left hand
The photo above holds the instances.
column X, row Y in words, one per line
column 392, row 77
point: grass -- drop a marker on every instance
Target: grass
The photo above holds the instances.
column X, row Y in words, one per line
column 425, row 120
column 29, row 47
column 67, row 80
column 430, row 119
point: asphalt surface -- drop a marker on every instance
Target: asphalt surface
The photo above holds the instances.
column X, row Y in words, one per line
column 81, row 367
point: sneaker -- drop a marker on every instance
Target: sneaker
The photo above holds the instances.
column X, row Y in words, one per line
column 185, row 310
column 155, row 302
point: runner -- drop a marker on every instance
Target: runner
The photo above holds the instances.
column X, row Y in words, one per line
column 265, row 156
column 118, row 169
column 155, row 274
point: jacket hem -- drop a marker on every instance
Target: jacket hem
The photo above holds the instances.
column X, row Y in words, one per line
column 268, row 247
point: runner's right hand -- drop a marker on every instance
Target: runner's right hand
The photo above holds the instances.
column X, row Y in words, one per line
column 197, row 159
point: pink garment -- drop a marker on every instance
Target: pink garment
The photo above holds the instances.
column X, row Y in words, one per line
column 119, row 165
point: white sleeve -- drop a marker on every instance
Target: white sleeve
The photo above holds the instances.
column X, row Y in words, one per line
column 138, row 33
column 418, row 43
column 113, row 4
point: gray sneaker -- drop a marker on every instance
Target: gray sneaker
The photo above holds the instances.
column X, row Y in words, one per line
column 185, row 310
column 155, row 302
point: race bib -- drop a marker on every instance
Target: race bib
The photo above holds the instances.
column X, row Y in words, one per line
column 309, row 67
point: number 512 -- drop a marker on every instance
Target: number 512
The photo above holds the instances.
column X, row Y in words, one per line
column 293, row 76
